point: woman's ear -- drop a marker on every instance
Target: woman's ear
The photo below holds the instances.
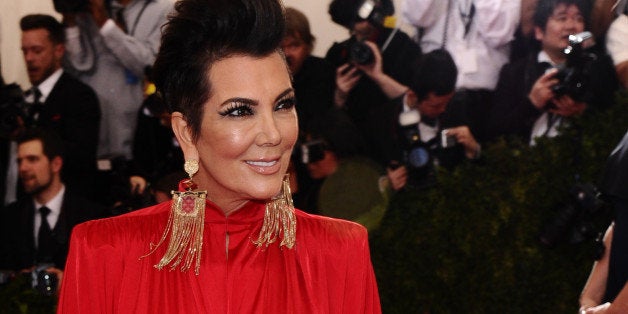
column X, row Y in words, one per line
column 183, row 133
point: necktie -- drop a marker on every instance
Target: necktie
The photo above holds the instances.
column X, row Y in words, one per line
column 44, row 237
column 35, row 108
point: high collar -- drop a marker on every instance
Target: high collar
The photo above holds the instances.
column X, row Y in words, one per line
column 252, row 211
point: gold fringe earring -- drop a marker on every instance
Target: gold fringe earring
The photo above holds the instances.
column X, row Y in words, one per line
column 185, row 225
column 279, row 219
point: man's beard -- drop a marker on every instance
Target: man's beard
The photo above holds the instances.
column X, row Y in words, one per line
column 38, row 188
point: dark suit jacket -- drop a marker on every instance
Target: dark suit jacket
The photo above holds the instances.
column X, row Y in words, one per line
column 314, row 89
column 513, row 113
column 18, row 241
column 72, row 110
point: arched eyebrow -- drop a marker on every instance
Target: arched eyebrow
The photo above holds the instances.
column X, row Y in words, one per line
column 288, row 91
column 251, row 102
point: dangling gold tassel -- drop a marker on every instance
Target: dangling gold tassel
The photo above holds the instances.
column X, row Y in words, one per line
column 279, row 219
column 185, row 226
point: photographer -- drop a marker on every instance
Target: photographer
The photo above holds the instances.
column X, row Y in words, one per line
column 478, row 34
column 534, row 97
column 109, row 45
column 429, row 133
column 372, row 67
column 347, row 185
column 36, row 228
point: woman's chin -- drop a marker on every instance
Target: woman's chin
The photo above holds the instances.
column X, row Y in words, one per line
column 265, row 192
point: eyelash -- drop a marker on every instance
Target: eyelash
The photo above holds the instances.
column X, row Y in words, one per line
column 238, row 109
column 286, row 103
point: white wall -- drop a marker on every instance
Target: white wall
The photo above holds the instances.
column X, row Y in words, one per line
column 325, row 31
column 11, row 11
column 13, row 68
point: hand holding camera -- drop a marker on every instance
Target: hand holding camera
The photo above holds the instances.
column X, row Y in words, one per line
column 543, row 97
column 566, row 106
column 563, row 90
column 370, row 61
column 347, row 76
column 541, row 93
column 397, row 175
column 461, row 135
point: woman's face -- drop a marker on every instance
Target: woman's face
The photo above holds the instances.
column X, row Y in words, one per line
column 248, row 129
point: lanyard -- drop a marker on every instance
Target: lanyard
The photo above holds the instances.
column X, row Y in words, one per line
column 137, row 18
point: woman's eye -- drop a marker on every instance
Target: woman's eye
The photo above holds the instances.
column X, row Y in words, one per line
column 286, row 104
column 237, row 110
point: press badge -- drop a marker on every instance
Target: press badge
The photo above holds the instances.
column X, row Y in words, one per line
column 466, row 60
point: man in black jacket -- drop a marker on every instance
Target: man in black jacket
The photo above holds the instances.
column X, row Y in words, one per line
column 529, row 99
column 36, row 228
column 58, row 101
column 373, row 67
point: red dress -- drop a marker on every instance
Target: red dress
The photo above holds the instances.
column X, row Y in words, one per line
column 328, row 271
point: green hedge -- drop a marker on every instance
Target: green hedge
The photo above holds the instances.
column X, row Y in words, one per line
column 470, row 245
column 18, row 297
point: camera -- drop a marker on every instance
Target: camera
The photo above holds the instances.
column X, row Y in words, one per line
column 12, row 109
column 359, row 52
column 573, row 76
column 416, row 155
column 313, row 151
column 45, row 282
column 354, row 51
column 446, row 140
column 346, row 13
column 574, row 220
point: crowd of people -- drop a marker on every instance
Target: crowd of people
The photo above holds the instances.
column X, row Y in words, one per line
column 378, row 114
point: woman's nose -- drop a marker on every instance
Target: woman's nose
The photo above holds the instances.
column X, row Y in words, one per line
column 269, row 133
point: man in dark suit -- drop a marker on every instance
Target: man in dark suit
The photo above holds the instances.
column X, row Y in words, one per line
column 36, row 228
column 426, row 130
column 366, row 82
column 58, row 101
column 529, row 102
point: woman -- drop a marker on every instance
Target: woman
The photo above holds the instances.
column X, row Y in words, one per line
column 244, row 249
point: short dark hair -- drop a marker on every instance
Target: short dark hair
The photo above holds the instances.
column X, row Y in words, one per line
column 201, row 32
column 434, row 72
column 345, row 12
column 297, row 25
column 47, row 22
column 545, row 8
column 51, row 142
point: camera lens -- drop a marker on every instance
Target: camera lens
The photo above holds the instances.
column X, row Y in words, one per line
column 418, row 157
column 361, row 53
